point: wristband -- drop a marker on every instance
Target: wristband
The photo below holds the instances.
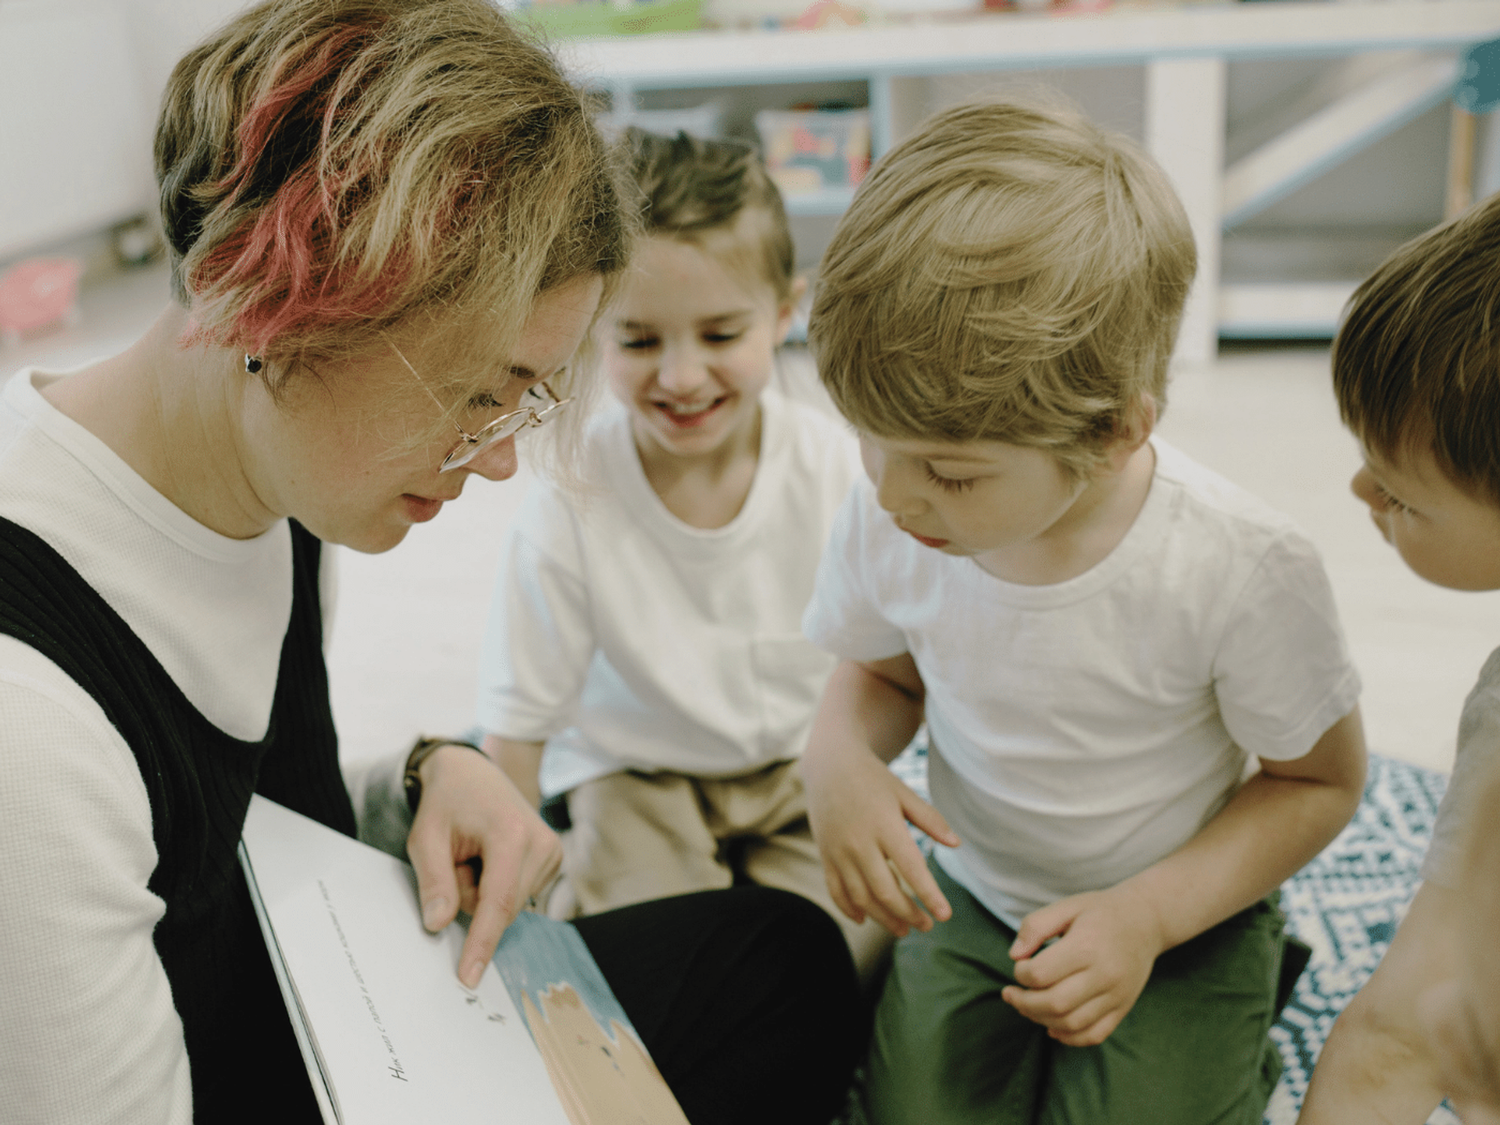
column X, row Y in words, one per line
column 411, row 779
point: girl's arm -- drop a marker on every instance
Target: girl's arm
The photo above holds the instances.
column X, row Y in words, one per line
column 521, row 761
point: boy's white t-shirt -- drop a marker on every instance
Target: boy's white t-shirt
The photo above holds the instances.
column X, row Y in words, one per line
column 629, row 640
column 1084, row 730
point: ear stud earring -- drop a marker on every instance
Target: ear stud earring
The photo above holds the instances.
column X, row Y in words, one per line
column 253, row 364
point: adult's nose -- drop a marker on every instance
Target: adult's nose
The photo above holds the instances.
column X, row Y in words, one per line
column 497, row 461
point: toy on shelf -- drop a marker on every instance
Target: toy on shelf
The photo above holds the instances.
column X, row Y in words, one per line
column 813, row 151
column 36, row 294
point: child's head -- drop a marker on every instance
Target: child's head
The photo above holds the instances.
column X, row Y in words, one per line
column 1416, row 368
column 1010, row 273
column 709, row 296
column 1463, row 1014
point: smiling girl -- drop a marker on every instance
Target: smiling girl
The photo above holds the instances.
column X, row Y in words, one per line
column 644, row 655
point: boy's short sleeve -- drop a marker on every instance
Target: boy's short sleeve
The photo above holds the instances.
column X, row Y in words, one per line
column 1478, row 754
column 539, row 640
column 1282, row 673
column 844, row 614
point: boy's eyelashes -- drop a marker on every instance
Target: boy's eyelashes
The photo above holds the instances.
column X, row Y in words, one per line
column 948, row 484
column 1387, row 500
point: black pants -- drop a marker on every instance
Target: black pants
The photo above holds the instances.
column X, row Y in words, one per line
column 746, row 999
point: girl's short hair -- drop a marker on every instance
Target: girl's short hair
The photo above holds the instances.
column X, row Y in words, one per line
column 331, row 168
column 1010, row 272
column 715, row 194
column 1416, row 363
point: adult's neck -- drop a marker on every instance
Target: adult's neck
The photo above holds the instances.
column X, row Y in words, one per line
column 173, row 414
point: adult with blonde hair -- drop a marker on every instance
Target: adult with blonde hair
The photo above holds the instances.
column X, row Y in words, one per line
column 391, row 224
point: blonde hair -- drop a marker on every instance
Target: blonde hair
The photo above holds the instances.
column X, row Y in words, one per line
column 1416, row 363
column 1011, row 272
column 330, row 169
column 716, row 195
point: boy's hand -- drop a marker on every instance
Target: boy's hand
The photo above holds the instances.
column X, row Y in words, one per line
column 1082, row 985
column 858, row 810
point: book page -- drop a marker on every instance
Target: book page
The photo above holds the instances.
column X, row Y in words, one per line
column 597, row 1061
column 393, row 1034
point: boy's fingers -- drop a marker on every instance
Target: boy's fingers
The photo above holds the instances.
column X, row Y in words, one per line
column 1091, row 1036
column 1048, row 1006
column 1056, row 962
column 863, row 903
column 1039, row 925
column 891, row 895
column 840, row 895
column 928, row 819
column 917, row 882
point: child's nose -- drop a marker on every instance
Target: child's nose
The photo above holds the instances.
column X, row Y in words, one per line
column 682, row 371
column 1362, row 484
column 891, row 492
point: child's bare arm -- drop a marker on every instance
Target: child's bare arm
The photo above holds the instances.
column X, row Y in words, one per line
column 521, row 761
column 1377, row 1067
column 858, row 809
column 1081, row 986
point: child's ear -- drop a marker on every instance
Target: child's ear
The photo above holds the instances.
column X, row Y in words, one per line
column 1134, row 428
column 787, row 309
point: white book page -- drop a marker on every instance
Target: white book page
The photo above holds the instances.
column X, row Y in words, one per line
column 399, row 1039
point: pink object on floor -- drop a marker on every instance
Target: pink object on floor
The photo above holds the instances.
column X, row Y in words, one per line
column 38, row 292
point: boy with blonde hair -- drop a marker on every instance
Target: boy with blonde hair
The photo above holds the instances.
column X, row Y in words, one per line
column 1102, row 637
column 1416, row 369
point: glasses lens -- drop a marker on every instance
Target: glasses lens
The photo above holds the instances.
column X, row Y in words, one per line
column 502, row 428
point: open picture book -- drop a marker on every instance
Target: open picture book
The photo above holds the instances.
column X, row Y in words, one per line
column 388, row 1032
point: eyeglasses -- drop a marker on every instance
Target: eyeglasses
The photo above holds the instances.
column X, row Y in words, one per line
column 469, row 445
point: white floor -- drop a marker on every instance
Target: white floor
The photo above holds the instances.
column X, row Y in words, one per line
column 403, row 649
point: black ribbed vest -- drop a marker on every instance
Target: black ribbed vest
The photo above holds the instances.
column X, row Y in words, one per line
column 244, row 1059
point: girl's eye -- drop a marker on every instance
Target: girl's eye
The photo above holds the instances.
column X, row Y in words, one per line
column 638, row 343
column 722, row 337
column 484, row 402
column 949, row 484
column 1390, row 502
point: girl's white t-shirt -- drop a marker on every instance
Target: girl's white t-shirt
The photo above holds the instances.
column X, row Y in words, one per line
column 1084, row 730
column 627, row 639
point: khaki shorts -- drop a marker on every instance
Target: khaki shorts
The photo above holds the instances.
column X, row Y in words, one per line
column 638, row 836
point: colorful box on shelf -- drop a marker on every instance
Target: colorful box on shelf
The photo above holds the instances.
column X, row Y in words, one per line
column 815, row 153
column 589, row 18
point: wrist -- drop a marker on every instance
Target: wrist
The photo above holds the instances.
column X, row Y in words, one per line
column 415, row 775
column 1147, row 919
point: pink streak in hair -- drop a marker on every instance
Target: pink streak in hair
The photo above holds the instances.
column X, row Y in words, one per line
column 275, row 256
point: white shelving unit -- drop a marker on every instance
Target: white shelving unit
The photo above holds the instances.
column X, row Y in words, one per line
column 1184, row 51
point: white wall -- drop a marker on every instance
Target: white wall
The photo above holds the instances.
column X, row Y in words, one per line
column 80, row 83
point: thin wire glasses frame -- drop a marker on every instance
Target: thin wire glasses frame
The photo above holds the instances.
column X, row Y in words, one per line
column 470, row 446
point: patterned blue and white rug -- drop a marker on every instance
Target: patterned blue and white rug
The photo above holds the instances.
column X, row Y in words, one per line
column 1345, row 904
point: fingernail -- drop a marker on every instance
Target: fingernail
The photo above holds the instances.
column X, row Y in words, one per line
column 434, row 911
column 471, row 972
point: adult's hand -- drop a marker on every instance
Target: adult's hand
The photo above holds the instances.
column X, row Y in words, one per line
column 469, row 811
